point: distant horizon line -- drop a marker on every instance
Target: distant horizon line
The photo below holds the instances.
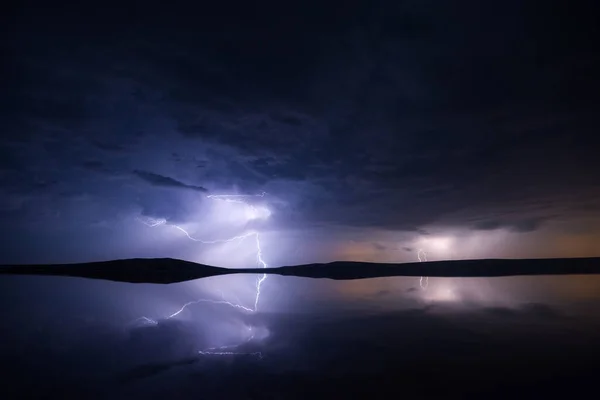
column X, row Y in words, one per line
column 170, row 270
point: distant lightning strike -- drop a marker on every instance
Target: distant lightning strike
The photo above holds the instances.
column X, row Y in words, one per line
column 424, row 281
column 252, row 213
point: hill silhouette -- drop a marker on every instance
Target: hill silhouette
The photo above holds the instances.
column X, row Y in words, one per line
column 168, row 270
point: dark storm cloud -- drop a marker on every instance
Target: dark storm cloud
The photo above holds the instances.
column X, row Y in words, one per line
column 475, row 133
column 381, row 114
column 109, row 147
column 165, row 181
column 93, row 165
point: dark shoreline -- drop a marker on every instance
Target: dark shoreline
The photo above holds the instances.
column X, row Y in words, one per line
column 168, row 270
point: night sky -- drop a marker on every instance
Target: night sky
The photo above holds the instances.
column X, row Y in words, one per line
column 369, row 130
column 369, row 125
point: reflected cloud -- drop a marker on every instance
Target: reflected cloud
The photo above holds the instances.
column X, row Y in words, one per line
column 442, row 293
column 311, row 325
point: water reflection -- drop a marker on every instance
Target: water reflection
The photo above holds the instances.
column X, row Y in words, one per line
column 84, row 332
column 566, row 292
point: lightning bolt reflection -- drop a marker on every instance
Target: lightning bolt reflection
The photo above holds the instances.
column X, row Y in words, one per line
column 253, row 212
column 226, row 350
column 424, row 280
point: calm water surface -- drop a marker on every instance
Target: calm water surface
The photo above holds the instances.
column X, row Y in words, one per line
column 95, row 339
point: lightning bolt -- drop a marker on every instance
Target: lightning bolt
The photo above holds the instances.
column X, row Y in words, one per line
column 227, row 350
column 230, row 353
column 254, row 212
column 152, row 222
column 235, row 196
column 259, row 258
column 228, row 303
column 424, row 280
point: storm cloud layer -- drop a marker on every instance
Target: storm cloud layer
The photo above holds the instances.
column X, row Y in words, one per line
column 372, row 115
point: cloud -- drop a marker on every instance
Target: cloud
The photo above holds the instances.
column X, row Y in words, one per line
column 540, row 310
column 149, row 370
column 523, row 226
column 165, row 181
column 437, row 121
column 110, row 147
column 400, row 332
column 529, row 311
column 379, row 246
column 529, row 225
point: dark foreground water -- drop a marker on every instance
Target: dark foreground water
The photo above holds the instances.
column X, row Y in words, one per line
column 376, row 338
